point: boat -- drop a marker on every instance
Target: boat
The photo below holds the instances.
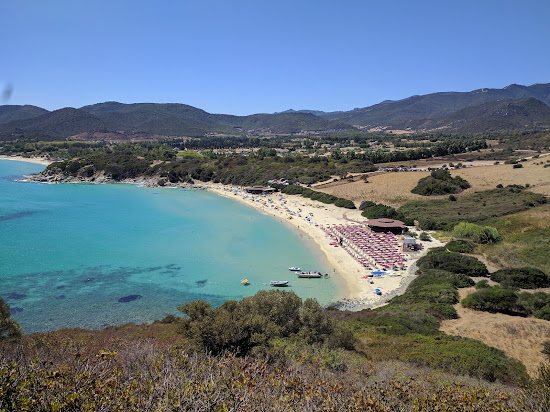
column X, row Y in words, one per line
column 279, row 283
column 294, row 269
column 310, row 274
column 244, row 281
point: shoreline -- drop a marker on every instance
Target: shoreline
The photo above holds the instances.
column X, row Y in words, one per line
column 37, row 160
column 356, row 293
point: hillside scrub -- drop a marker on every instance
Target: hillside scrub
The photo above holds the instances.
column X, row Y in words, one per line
column 460, row 246
column 407, row 329
column 251, row 324
column 523, row 278
column 314, row 195
column 119, row 369
column 477, row 233
column 373, row 210
column 443, row 214
column 440, row 182
column 441, row 259
column 508, row 301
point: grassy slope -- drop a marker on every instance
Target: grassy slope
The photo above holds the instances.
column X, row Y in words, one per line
column 526, row 239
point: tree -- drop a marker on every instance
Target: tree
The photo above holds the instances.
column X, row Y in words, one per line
column 8, row 327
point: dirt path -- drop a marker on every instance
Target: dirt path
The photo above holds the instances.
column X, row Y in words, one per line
column 520, row 338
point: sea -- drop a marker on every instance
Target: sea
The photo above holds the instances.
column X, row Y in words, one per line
column 91, row 256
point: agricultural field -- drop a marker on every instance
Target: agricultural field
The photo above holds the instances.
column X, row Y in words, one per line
column 394, row 188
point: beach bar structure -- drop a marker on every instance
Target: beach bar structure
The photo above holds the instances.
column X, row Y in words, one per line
column 258, row 190
column 387, row 225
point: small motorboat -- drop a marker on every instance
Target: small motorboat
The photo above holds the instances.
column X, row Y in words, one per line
column 310, row 274
column 294, row 269
column 245, row 282
column 279, row 283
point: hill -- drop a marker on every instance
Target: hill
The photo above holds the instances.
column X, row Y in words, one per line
column 495, row 116
column 155, row 119
column 53, row 125
column 414, row 110
column 10, row 113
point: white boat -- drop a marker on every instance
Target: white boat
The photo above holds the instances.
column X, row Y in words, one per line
column 279, row 283
column 294, row 269
column 309, row 274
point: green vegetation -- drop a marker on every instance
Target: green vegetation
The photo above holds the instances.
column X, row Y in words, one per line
column 373, row 210
column 440, row 182
column 148, row 368
column 525, row 239
column 460, row 246
column 408, row 329
column 8, row 327
column 507, row 300
column 251, row 325
column 523, row 278
column 442, row 214
column 314, row 195
column 440, row 258
column 477, row 233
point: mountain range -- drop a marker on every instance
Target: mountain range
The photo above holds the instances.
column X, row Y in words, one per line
column 513, row 107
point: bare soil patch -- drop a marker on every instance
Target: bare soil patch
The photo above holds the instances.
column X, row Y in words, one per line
column 518, row 337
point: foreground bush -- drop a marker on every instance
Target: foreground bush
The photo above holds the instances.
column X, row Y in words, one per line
column 252, row 323
column 523, row 278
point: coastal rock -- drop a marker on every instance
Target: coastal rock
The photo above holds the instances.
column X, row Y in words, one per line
column 129, row 298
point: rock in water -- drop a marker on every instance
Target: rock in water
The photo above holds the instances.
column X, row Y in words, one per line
column 15, row 310
column 129, row 298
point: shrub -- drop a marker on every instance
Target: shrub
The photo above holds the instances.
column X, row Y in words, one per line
column 479, row 234
column 524, row 278
column 253, row 322
column 460, row 246
column 494, row 299
column 440, row 182
column 425, row 237
column 8, row 327
column 482, row 284
column 453, row 262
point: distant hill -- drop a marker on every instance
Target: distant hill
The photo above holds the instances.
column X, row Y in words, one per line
column 412, row 111
column 10, row 113
column 54, row 125
column 495, row 116
column 154, row 119
column 513, row 107
column 173, row 119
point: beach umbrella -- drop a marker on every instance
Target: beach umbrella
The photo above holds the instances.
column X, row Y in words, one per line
column 378, row 272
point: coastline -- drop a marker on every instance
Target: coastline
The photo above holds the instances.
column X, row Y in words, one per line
column 37, row 160
column 356, row 292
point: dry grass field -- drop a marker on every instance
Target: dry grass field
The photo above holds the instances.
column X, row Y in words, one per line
column 394, row 188
column 520, row 338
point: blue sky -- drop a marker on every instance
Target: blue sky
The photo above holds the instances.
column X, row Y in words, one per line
column 242, row 57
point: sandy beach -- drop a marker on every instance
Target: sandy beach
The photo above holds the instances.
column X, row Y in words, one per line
column 313, row 218
column 38, row 160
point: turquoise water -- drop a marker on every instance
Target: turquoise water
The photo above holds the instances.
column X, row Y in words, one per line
column 69, row 252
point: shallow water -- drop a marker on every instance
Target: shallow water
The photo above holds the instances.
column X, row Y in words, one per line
column 70, row 252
